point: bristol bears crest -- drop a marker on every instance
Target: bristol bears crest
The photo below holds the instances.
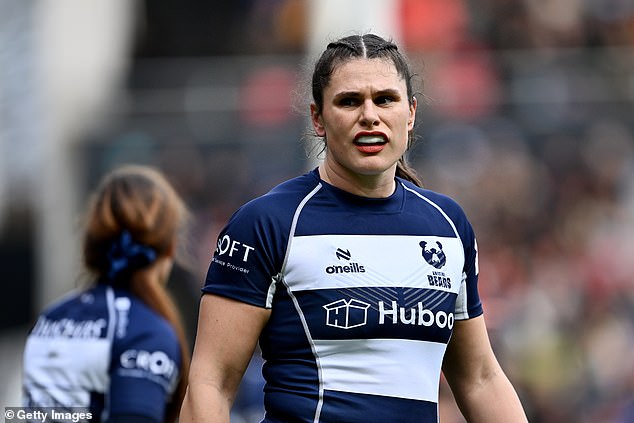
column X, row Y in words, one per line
column 433, row 253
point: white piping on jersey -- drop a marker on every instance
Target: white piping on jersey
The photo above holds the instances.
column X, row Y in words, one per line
column 111, row 313
column 477, row 262
column 271, row 291
column 437, row 207
column 461, row 301
column 279, row 277
column 105, row 414
column 296, row 304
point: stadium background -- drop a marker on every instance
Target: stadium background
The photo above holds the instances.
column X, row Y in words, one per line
column 527, row 122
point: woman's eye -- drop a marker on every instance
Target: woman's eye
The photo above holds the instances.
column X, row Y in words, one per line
column 383, row 100
column 348, row 101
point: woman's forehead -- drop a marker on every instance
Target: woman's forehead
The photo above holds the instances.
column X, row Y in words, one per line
column 358, row 73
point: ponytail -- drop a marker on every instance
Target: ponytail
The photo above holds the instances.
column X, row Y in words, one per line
column 155, row 296
column 405, row 171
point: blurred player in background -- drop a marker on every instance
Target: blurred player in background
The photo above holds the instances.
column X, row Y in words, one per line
column 360, row 285
column 117, row 348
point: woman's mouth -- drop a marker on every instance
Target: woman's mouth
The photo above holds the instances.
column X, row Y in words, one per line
column 370, row 144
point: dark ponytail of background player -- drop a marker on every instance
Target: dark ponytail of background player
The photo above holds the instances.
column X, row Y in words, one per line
column 133, row 224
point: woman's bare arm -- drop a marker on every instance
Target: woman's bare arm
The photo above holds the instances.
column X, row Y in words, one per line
column 483, row 392
column 227, row 334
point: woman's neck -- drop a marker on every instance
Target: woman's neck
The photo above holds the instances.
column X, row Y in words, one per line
column 372, row 186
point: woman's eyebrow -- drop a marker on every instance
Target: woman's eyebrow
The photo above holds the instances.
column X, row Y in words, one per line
column 347, row 94
column 350, row 93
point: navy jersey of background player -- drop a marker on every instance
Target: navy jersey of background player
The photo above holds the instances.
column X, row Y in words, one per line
column 102, row 350
column 364, row 294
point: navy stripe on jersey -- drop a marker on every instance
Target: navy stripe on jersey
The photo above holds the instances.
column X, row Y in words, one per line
column 384, row 313
column 356, row 408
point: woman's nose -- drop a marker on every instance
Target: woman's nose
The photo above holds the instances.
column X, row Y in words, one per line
column 369, row 116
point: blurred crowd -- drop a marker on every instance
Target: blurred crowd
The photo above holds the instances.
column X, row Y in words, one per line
column 526, row 119
column 541, row 156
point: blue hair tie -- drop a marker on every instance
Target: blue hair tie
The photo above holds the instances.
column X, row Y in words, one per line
column 126, row 255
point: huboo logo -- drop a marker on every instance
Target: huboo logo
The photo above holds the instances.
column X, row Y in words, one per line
column 418, row 315
column 353, row 313
column 346, row 314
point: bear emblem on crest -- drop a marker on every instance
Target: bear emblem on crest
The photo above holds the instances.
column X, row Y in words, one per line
column 433, row 253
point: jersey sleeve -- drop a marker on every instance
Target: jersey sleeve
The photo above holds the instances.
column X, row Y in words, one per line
column 249, row 254
column 144, row 368
column 468, row 304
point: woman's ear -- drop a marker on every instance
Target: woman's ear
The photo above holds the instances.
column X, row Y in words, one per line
column 412, row 113
column 315, row 117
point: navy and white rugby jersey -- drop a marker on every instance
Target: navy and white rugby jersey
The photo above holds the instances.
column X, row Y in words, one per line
column 103, row 350
column 364, row 294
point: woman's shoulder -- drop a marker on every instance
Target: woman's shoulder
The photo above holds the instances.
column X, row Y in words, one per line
column 444, row 201
column 449, row 207
column 76, row 304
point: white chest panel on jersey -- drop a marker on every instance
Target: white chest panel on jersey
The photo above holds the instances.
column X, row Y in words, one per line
column 69, row 368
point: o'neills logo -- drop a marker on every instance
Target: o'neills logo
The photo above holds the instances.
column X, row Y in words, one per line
column 353, row 267
column 349, row 268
